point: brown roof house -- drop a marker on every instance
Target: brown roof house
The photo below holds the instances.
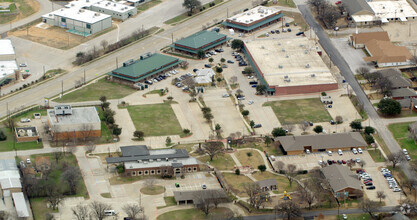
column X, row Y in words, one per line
column 42, row 163
column 267, row 185
column 359, row 40
column 403, row 93
column 342, row 181
column 293, row 145
column 395, row 78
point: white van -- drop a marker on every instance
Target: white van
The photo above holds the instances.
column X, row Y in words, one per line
column 109, row 212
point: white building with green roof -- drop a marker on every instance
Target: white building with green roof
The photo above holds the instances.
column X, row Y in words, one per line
column 203, row 40
column 148, row 66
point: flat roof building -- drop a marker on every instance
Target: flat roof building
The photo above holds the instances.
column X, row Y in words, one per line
column 135, row 3
column 254, row 19
column 81, row 4
column 20, row 204
column 203, row 40
column 342, row 181
column 66, row 122
column 6, row 50
column 289, row 66
column 8, row 69
column 79, row 21
column 148, row 66
column 26, row 134
column 196, row 197
column 204, row 77
column 293, row 145
column 116, row 10
column 139, row 160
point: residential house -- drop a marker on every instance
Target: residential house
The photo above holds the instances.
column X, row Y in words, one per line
column 197, row 196
column 343, row 182
column 267, row 185
column 403, row 93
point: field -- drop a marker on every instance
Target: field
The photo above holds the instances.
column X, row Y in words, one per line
column 188, row 214
column 148, row 5
column 283, row 184
column 39, row 208
column 24, row 7
column 221, row 162
column 253, row 161
column 236, row 183
column 296, row 111
column 93, row 92
column 400, row 131
column 185, row 15
column 271, row 149
column 155, row 120
column 8, row 144
column 376, row 155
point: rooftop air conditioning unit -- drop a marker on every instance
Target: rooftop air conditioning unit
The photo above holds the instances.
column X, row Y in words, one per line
column 287, row 56
column 139, row 161
column 286, row 77
column 262, row 47
column 280, row 66
column 96, row 14
column 166, row 159
column 306, row 52
column 150, row 160
column 279, row 43
column 283, row 50
column 145, row 162
column 287, row 80
column 158, row 159
column 313, row 75
column 307, row 65
column 262, row 16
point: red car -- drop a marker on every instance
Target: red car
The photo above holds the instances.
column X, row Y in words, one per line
column 367, row 181
column 338, row 2
column 344, row 161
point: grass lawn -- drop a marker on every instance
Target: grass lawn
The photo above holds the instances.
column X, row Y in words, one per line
column 8, row 144
column 253, row 161
column 399, row 131
column 29, row 114
column 376, row 155
column 221, row 162
column 185, row 15
column 169, row 201
column 155, row 91
column 148, row 5
column 236, row 183
column 185, row 214
column 283, row 183
column 152, row 190
column 187, row 147
column 25, row 9
column 106, row 195
column 155, row 120
column 381, row 143
column 93, row 92
column 270, row 150
column 55, row 175
column 106, row 133
column 286, row 3
column 39, row 208
column 296, row 111
column 117, row 180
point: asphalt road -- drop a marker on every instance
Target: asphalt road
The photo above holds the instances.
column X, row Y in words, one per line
column 341, row 63
column 316, row 213
column 51, row 88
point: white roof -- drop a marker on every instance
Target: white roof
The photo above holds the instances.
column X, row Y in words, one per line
column 82, row 15
column 253, row 15
column 392, row 9
column 162, row 163
column 113, row 6
column 79, row 115
column 10, row 182
column 81, row 3
column 202, row 79
column 205, row 72
column 290, row 62
column 6, row 47
column 7, row 68
column 20, row 204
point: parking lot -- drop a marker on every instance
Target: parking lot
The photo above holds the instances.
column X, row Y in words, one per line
column 310, row 161
column 191, row 182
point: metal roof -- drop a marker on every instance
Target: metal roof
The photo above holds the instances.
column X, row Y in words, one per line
column 341, row 177
column 322, row 141
column 8, row 165
column 137, row 150
column 10, row 182
column 200, row 39
column 20, row 204
column 146, row 67
column 267, row 183
column 196, row 195
column 355, row 6
column 403, row 92
column 178, row 153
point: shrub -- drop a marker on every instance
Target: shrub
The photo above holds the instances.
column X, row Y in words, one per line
column 262, row 168
column 186, row 131
column 120, row 168
column 249, row 154
column 237, row 172
column 3, row 137
column 245, row 112
column 369, row 139
column 323, row 94
column 318, row 129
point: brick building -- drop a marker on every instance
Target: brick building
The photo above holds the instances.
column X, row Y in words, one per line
column 139, row 160
column 66, row 123
column 26, row 134
column 343, row 182
column 203, row 40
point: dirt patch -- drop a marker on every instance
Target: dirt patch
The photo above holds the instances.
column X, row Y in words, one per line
column 375, row 96
column 54, row 36
column 25, row 7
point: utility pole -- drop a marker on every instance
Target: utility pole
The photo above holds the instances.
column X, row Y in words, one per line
column 44, row 71
column 62, row 87
column 84, row 77
column 227, row 13
column 117, row 63
column 172, row 37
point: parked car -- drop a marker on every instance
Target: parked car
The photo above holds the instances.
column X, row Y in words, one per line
column 289, row 30
column 332, row 122
column 28, row 161
column 407, row 157
column 299, row 33
column 207, row 65
column 340, row 152
column 329, row 153
column 396, row 189
column 360, row 150
column 329, row 162
column 225, row 95
column 250, row 102
column 310, row 123
column 339, row 161
column 370, row 187
column 230, row 61
column 307, row 151
column 287, row 24
column 204, row 186
column 23, row 65
column 177, row 185
column 277, row 31
column 354, row 151
column 272, row 32
column 24, row 120
column 257, row 126
column 405, row 151
column 344, row 161
column 338, row 2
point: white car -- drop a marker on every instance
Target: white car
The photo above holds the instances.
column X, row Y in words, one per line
column 396, row 189
column 28, row 161
column 320, row 162
column 360, row 150
column 358, row 160
column 225, row 95
column 25, row 120
column 340, row 152
column 250, row 77
column 329, row 153
column 23, row 65
column 204, row 186
column 250, row 102
column 405, row 151
column 307, row 151
column 354, row 151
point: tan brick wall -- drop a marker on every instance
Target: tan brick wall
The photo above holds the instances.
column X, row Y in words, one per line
column 77, row 134
column 26, row 139
column 288, row 90
column 154, row 170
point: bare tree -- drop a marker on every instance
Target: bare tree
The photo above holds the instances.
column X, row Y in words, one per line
column 86, row 131
column 213, row 149
column 383, row 84
column 233, row 79
column 238, row 134
column 396, row 158
column 362, row 163
column 289, row 127
column 133, row 211
column 104, row 44
column 98, row 208
column 289, row 209
column 254, row 191
column 306, row 194
column 189, row 81
column 57, row 155
column 369, row 207
column 380, row 195
column 339, row 119
column 316, row 4
column 291, row 172
column 80, row 212
column 150, row 182
column 90, row 147
column 54, row 197
column 5, row 215
column 363, row 70
column 303, row 126
column 202, row 201
column 72, row 177
column 280, row 165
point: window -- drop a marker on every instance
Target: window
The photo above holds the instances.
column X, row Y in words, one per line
column 133, row 173
column 63, row 19
column 146, row 172
column 152, row 172
column 139, row 173
column 158, row 171
column 195, row 168
column 189, row 169
column 88, row 26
